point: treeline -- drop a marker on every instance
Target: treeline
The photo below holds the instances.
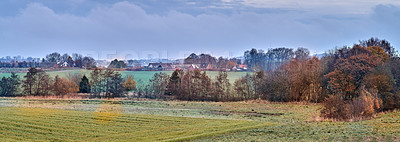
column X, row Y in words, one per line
column 54, row 60
column 74, row 60
column 352, row 82
column 220, row 63
column 259, row 60
column 36, row 82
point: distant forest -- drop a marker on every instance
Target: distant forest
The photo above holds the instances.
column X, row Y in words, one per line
column 53, row 60
column 351, row 82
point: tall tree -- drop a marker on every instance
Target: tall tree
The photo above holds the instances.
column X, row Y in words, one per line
column 9, row 85
column 301, row 53
column 53, row 57
column 30, row 79
column 37, row 82
column 84, row 86
column 174, row 83
column 96, row 82
column 116, row 85
column 349, row 72
column 244, row 88
column 88, row 62
column 157, row 85
column 77, row 58
column 70, row 61
column 384, row 44
column 222, row 87
column 64, row 58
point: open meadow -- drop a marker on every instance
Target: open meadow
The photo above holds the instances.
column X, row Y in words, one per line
column 141, row 120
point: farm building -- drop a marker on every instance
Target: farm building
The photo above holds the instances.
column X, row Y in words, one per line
column 206, row 66
column 160, row 66
column 240, row 68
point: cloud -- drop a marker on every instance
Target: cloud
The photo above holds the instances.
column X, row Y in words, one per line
column 125, row 28
column 322, row 6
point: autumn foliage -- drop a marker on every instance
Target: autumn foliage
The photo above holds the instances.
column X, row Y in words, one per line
column 63, row 86
column 361, row 81
column 352, row 83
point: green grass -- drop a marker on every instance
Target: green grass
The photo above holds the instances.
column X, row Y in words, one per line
column 296, row 122
column 43, row 124
column 145, row 76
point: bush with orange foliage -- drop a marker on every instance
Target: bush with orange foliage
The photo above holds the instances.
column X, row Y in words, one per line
column 363, row 107
column 61, row 86
column 129, row 83
column 335, row 107
column 367, row 104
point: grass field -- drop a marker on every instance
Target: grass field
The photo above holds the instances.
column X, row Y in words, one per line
column 43, row 124
column 138, row 75
column 128, row 120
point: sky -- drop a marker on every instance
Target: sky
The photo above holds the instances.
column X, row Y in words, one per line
column 141, row 29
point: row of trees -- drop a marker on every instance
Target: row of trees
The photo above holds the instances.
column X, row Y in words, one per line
column 74, row 60
column 298, row 80
column 192, row 85
column 16, row 64
column 36, row 82
column 259, row 60
column 351, row 82
column 220, row 63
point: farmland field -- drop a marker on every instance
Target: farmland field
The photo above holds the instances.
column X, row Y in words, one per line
column 66, row 125
column 138, row 75
column 131, row 120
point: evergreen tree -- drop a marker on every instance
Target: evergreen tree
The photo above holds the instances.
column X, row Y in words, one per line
column 84, row 86
column 9, row 85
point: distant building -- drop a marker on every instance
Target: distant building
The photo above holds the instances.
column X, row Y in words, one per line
column 243, row 67
column 160, row 66
column 193, row 66
column 240, row 68
column 206, row 66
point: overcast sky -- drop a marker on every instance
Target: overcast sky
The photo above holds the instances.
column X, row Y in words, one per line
column 175, row 28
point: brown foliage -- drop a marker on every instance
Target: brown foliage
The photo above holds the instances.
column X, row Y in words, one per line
column 63, row 86
column 366, row 105
column 37, row 83
column 221, row 87
column 336, row 108
column 379, row 52
column 361, row 82
column 196, row 85
column 129, row 83
column 348, row 74
column 362, row 107
column 304, row 76
column 244, row 88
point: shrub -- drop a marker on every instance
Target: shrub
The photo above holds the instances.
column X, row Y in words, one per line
column 129, row 83
column 336, row 108
column 364, row 106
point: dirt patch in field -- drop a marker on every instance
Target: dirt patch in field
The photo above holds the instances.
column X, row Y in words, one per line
column 247, row 113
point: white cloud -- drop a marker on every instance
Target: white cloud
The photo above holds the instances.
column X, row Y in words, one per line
column 322, row 6
column 127, row 27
